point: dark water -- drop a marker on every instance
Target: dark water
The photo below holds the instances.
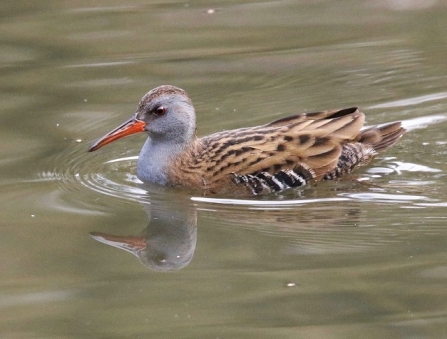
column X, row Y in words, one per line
column 365, row 257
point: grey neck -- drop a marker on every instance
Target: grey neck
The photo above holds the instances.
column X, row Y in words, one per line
column 155, row 158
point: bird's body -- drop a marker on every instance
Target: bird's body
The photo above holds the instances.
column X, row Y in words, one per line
column 288, row 152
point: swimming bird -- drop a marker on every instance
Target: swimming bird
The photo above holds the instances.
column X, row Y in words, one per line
column 289, row 152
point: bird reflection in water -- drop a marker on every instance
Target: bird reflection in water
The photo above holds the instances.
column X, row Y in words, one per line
column 169, row 240
column 167, row 243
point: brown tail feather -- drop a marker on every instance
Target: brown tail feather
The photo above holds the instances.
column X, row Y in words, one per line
column 382, row 137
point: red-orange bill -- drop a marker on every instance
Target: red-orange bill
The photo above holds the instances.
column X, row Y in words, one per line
column 131, row 126
column 128, row 243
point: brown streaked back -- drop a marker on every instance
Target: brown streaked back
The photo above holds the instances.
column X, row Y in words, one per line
column 313, row 139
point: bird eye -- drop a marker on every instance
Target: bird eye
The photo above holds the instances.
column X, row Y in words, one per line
column 160, row 110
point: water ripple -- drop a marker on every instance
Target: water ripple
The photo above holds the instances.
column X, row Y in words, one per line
column 114, row 176
column 100, row 173
column 412, row 101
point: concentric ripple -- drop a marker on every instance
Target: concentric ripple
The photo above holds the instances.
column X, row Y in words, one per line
column 102, row 173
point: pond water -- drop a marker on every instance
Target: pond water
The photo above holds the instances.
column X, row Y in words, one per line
column 87, row 252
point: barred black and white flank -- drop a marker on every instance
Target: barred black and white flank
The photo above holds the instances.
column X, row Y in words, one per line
column 264, row 182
